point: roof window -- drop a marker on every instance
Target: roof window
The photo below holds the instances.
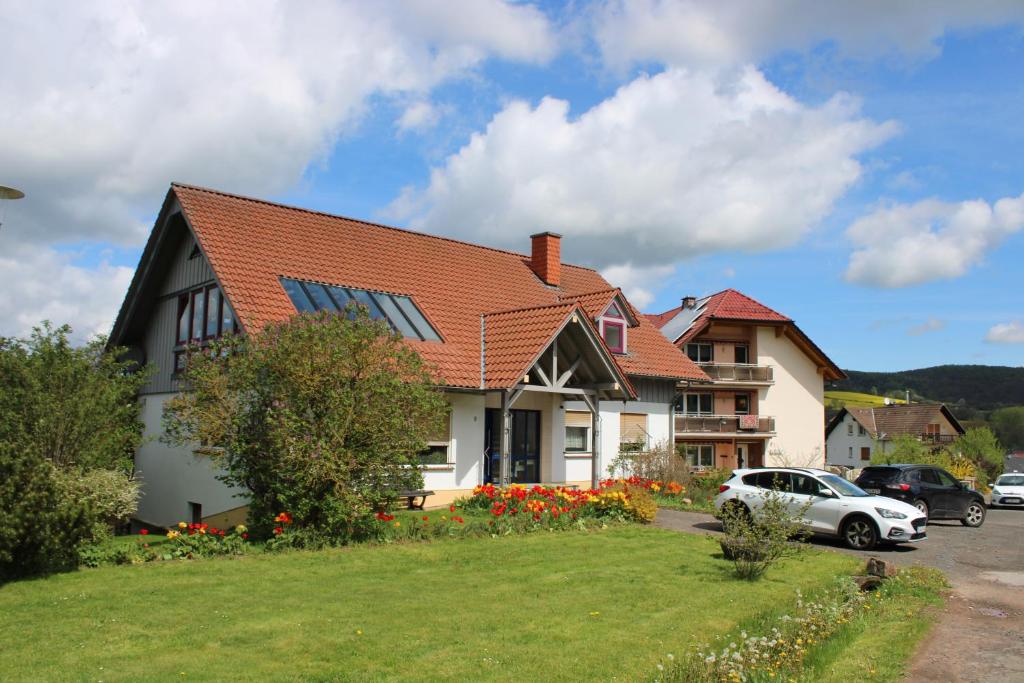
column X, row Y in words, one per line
column 400, row 313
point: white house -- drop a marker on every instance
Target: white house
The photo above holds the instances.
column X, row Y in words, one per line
column 854, row 434
column 528, row 349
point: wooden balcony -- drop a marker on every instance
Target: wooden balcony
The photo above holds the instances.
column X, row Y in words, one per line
column 939, row 438
column 738, row 372
column 724, row 424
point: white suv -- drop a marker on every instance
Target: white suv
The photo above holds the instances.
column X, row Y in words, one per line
column 837, row 507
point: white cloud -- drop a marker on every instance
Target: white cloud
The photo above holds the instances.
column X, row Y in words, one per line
column 1006, row 333
column 669, row 167
column 710, row 33
column 637, row 282
column 929, row 325
column 118, row 99
column 418, row 116
column 103, row 104
column 43, row 284
column 910, row 244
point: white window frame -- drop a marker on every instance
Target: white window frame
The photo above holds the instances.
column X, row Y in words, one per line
column 695, row 463
column 711, row 351
column 686, row 410
column 449, row 460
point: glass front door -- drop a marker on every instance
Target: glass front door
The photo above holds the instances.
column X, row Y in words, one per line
column 525, row 446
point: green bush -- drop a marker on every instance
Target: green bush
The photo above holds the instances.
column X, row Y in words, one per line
column 42, row 527
column 110, row 497
column 756, row 541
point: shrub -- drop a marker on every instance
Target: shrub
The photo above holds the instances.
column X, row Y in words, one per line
column 188, row 541
column 110, row 497
column 42, row 527
column 322, row 415
column 660, row 463
column 754, row 541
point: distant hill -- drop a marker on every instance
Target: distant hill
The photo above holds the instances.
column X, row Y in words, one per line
column 980, row 387
column 855, row 399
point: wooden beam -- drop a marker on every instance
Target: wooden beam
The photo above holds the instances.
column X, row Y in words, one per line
column 555, row 390
column 595, row 448
column 506, row 439
column 569, row 373
column 540, row 373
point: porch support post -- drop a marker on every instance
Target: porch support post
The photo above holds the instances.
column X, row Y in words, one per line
column 595, row 462
column 506, row 438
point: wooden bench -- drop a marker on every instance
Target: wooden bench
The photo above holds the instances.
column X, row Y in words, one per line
column 411, row 496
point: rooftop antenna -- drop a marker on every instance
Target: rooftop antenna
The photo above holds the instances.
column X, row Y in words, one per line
column 7, row 194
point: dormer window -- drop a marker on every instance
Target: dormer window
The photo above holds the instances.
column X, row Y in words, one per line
column 613, row 325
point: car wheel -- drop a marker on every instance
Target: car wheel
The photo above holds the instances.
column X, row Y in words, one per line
column 860, row 534
column 922, row 505
column 975, row 515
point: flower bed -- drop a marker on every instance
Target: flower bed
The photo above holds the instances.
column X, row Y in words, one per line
column 623, row 500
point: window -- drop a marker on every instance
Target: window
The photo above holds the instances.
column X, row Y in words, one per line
column 775, row 481
column 399, row 311
column 851, row 452
column 849, row 429
column 742, row 404
column 804, row 485
column 632, row 432
column 437, row 450
column 929, row 477
column 698, row 404
column 861, row 431
column 577, row 431
column 203, row 314
column 865, row 452
column 614, row 334
column 742, row 353
column 700, row 352
column 700, row 456
column 946, row 479
column 932, row 430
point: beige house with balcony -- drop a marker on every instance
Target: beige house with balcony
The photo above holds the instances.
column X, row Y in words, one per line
column 764, row 404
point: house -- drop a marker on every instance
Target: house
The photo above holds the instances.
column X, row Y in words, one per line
column 764, row 403
column 528, row 349
column 854, row 433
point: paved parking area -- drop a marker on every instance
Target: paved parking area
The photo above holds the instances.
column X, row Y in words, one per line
column 980, row 635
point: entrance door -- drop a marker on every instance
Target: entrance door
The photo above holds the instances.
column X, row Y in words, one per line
column 741, row 455
column 525, row 446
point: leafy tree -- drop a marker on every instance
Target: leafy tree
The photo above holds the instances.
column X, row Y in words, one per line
column 981, row 447
column 1008, row 424
column 321, row 416
column 75, row 406
column 903, row 448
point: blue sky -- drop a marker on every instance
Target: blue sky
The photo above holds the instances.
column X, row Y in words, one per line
column 859, row 170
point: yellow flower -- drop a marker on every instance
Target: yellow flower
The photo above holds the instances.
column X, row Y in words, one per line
column 182, row 525
column 398, row 524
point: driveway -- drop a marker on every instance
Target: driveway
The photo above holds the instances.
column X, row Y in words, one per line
column 980, row 634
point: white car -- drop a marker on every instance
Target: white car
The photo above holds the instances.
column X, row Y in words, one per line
column 1008, row 491
column 837, row 507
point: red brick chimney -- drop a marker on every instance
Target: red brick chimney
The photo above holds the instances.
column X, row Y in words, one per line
column 546, row 256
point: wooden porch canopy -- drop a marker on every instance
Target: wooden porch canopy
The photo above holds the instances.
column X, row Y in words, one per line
column 548, row 349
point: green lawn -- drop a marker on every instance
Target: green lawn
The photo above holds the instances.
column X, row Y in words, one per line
column 547, row 606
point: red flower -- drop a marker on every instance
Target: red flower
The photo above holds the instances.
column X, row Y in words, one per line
column 221, row 533
column 458, row 519
column 278, row 531
column 451, row 508
column 384, row 517
column 143, row 532
column 245, row 537
column 283, row 518
column 425, row 518
column 499, row 509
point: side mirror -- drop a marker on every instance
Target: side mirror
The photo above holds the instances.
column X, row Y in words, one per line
column 826, row 493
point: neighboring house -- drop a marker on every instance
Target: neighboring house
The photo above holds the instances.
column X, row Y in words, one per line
column 854, row 433
column 765, row 402
column 523, row 342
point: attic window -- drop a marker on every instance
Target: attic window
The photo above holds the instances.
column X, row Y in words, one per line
column 400, row 313
column 613, row 328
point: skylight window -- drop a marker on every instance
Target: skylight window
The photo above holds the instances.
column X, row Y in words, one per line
column 398, row 311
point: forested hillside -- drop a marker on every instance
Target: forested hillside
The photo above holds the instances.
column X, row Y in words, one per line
column 980, row 387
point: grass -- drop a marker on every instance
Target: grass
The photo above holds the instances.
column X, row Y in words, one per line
column 854, row 399
column 549, row 606
column 878, row 645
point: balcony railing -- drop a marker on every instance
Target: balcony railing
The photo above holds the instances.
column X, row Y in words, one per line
column 737, row 372
column 939, row 438
column 724, row 424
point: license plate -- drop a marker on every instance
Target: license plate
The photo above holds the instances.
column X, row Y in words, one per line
column 1015, row 501
column 874, row 491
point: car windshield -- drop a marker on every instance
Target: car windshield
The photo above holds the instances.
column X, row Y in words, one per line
column 844, row 487
column 1011, row 480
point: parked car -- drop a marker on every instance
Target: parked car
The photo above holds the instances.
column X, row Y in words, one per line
column 1008, row 491
column 837, row 507
column 929, row 488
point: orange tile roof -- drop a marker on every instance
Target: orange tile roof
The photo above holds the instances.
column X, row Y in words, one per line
column 251, row 243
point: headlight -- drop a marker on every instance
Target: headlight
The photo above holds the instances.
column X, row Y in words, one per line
column 995, row 492
column 890, row 514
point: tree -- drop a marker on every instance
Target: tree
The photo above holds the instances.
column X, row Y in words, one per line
column 981, row 447
column 1008, row 424
column 321, row 416
column 903, row 448
column 74, row 406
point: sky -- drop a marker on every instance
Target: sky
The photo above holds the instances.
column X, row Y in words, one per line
column 858, row 167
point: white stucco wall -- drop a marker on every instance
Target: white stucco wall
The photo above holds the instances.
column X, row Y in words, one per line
column 172, row 477
column 840, row 442
column 796, row 400
column 466, row 450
